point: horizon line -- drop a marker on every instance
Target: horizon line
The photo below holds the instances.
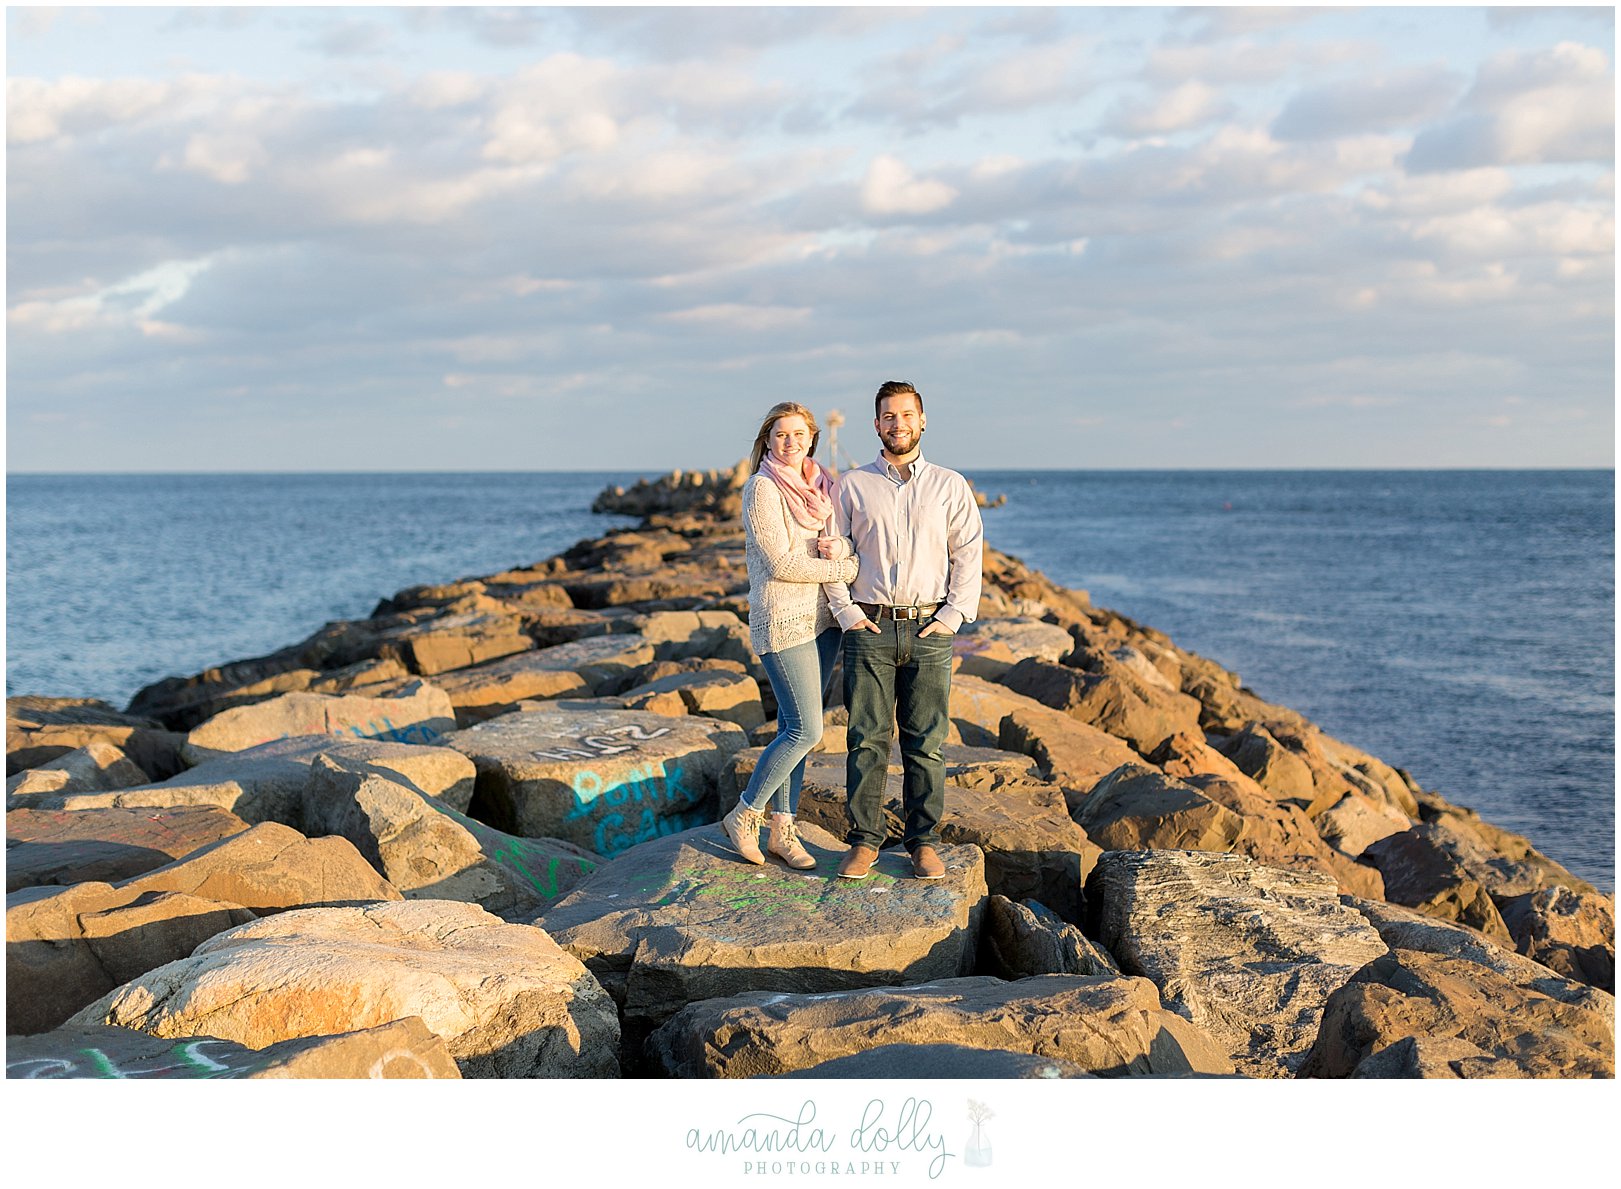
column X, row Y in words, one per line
column 1460, row 468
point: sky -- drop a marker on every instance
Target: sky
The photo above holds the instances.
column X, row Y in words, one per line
column 349, row 239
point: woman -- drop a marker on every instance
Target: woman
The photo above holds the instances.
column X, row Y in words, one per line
column 787, row 508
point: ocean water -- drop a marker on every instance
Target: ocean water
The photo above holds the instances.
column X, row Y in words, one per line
column 1459, row 625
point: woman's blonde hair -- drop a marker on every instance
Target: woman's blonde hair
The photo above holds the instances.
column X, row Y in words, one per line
column 788, row 408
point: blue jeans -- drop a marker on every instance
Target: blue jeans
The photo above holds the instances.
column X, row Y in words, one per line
column 894, row 677
column 799, row 680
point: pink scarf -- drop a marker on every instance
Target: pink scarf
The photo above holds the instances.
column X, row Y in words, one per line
column 809, row 496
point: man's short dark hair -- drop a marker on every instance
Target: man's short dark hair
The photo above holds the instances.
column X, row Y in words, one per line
column 895, row 388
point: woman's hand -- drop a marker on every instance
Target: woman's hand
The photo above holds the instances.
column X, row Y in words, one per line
column 825, row 547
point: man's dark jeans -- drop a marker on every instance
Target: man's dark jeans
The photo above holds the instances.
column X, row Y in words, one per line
column 894, row 677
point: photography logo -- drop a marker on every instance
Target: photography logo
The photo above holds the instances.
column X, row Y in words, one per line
column 880, row 1139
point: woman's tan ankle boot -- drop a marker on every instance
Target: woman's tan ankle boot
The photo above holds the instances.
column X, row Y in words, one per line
column 784, row 843
column 742, row 826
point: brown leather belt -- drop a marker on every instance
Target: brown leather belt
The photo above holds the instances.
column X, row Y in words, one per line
column 878, row 612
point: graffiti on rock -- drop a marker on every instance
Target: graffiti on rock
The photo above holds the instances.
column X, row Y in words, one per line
column 761, row 893
column 187, row 1060
column 662, row 790
column 378, row 730
column 610, row 742
column 527, row 858
column 419, row 732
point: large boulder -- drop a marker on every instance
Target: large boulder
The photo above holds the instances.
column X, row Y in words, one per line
column 1408, row 929
column 269, row 868
column 978, row 706
column 1070, row 753
column 667, row 587
column 601, row 779
column 95, row 767
column 415, row 713
column 1249, row 953
column 1140, row 808
column 598, row 660
column 491, row 689
column 1413, row 1013
column 1109, row 1026
column 1526, row 863
column 1187, row 754
column 1025, row 938
column 59, row 846
column 430, row 852
column 39, row 730
column 1271, row 765
column 683, row 918
column 682, row 635
column 1356, row 821
column 402, row 1049
column 1114, row 699
column 1447, row 875
column 1571, row 932
column 504, row 998
column 730, row 697
column 1296, row 761
column 65, row 946
column 1032, row 847
column 991, row 645
column 266, row 783
column 456, row 640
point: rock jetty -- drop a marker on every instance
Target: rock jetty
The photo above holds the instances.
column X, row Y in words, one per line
column 475, row 834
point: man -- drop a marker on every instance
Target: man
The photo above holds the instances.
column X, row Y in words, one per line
column 915, row 528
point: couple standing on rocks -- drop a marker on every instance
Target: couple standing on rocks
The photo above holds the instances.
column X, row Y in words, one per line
column 881, row 567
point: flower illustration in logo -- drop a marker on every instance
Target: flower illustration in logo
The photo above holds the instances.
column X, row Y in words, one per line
column 977, row 1154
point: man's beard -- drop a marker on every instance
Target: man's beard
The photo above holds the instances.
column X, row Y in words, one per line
column 900, row 442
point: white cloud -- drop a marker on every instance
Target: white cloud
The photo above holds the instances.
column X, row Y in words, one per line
column 1556, row 105
column 228, row 158
column 37, row 110
column 1495, row 233
column 1421, row 194
column 890, row 188
column 558, row 106
column 1250, row 62
column 732, row 316
column 128, row 303
column 1367, row 104
column 1190, row 105
column 1027, row 78
column 447, row 88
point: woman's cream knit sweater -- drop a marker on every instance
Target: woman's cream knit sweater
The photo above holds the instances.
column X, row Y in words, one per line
column 786, row 603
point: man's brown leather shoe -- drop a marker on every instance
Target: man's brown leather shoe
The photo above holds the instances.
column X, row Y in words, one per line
column 858, row 860
column 926, row 863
